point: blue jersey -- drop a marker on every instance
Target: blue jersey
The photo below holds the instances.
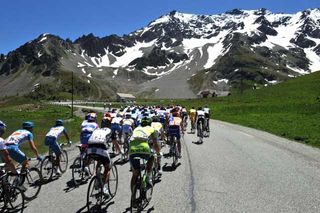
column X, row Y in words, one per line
column 19, row 137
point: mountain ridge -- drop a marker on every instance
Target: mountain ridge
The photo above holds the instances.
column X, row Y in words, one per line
column 257, row 46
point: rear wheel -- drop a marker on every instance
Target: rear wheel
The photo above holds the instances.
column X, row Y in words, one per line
column 32, row 182
column 63, row 161
column 47, row 168
column 14, row 200
column 77, row 171
column 95, row 195
column 113, row 181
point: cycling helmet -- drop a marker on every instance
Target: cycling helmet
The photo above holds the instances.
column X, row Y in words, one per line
column 145, row 122
column 92, row 116
column 156, row 119
column 59, row 122
column 200, row 108
column 128, row 115
column 27, row 125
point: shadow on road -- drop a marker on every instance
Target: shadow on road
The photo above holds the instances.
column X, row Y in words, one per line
column 197, row 142
column 170, row 168
column 96, row 208
column 151, row 209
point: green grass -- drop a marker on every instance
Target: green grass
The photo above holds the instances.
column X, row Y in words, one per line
column 290, row 109
column 15, row 112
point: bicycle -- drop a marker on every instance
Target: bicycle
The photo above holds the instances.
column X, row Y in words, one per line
column 79, row 175
column 48, row 165
column 95, row 196
column 200, row 130
column 141, row 193
column 125, row 146
column 174, row 149
column 11, row 197
column 30, row 179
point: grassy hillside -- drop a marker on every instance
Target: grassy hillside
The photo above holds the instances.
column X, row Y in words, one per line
column 16, row 111
column 290, row 109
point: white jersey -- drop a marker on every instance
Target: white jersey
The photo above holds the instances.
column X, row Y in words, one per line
column 206, row 110
column 2, row 144
column 116, row 120
column 99, row 136
column 88, row 126
column 200, row 113
column 55, row 131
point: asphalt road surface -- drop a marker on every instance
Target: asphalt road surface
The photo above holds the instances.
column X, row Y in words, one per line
column 236, row 169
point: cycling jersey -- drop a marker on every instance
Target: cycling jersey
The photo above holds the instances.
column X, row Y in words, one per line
column 88, row 126
column 97, row 148
column 127, row 125
column 175, row 121
column 116, row 120
column 206, row 110
column 200, row 113
column 56, row 131
column 86, row 130
column 157, row 126
column 139, row 140
column 2, row 144
column 99, row 136
column 19, row 137
column 192, row 114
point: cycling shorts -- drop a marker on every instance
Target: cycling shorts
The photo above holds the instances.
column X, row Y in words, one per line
column 99, row 153
column 52, row 142
column 135, row 163
column 114, row 129
column 127, row 129
column 84, row 137
column 174, row 131
column 15, row 153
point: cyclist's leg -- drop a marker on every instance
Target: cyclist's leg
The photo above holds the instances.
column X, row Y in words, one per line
column 9, row 165
column 135, row 165
column 16, row 154
column 55, row 147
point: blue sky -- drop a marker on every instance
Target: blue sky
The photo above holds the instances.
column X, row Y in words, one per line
column 24, row 20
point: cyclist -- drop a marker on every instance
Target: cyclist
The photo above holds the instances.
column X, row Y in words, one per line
column 207, row 116
column 157, row 125
column 87, row 127
column 175, row 127
column 139, row 147
column 3, row 150
column 51, row 140
column 184, row 115
column 98, row 150
column 106, row 120
column 192, row 116
column 200, row 115
column 127, row 124
column 116, row 128
column 19, row 137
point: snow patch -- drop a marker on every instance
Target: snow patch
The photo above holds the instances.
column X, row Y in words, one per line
column 89, row 75
column 83, row 70
column 80, row 65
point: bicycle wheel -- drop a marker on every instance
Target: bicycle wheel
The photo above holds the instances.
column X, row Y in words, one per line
column 136, row 201
column 46, row 168
column 14, row 200
column 77, row 171
column 32, row 182
column 63, row 161
column 95, row 196
column 113, row 180
column 174, row 153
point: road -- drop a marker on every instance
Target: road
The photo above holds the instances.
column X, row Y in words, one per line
column 236, row 169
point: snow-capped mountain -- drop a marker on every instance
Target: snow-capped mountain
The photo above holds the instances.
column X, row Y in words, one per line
column 184, row 53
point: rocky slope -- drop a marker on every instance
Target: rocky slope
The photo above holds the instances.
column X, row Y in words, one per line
column 178, row 52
